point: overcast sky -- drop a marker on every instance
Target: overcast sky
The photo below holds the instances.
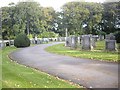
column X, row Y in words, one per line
column 56, row 4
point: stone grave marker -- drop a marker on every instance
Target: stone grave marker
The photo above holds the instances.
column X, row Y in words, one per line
column 38, row 41
column 67, row 42
column 110, row 45
column 79, row 40
column 73, row 42
column 101, row 37
column 110, row 37
column 11, row 42
column 93, row 41
column 86, row 42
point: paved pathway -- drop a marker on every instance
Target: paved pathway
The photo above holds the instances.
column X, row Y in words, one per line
column 86, row 72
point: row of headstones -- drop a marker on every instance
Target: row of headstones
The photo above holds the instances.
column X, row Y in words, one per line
column 5, row 43
column 57, row 39
column 46, row 40
column 88, row 42
column 110, row 42
column 38, row 41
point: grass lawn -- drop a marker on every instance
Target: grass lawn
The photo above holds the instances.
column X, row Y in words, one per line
column 98, row 53
column 0, row 69
column 19, row 76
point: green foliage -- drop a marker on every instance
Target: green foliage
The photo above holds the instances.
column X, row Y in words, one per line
column 26, row 17
column 30, row 36
column 110, row 15
column 21, row 41
column 78, row 17
column 117, row 36
column 76, row 14
column 47, row 35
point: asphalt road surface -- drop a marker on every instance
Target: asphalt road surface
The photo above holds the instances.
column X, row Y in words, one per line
column 86, row 72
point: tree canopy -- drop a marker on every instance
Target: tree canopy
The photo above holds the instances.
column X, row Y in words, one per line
column 78, row 17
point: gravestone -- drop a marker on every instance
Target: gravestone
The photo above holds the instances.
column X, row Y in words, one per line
column 110, row 42
column 7, row 43
column 33, row 41
column 53, row 39
column 2, row 44
column 73, row 42
column 110, row 45
column 86, row 42
column 95, row 37
column 57, row 39
column 101, row 37
column 93, row 41
column 110, row 37
column 11, row 42
column 60, row 39
column 46, row 40
column 50, row 39
column 68, row 41
column 38, row 41
column 79, row 40
column 66, row 38
column 67, row 44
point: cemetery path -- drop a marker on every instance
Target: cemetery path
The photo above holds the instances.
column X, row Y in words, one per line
column 86, row 72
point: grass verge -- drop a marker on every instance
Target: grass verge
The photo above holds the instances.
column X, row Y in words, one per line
column 98, row 53
column 20, row 76
column 0, row 69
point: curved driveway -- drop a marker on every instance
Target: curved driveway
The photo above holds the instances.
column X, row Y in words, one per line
column 86, row 72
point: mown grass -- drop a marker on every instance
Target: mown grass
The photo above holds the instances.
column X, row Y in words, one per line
column 98, row 53
column 15, row 75
column 0, row 68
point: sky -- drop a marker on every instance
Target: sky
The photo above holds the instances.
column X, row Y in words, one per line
column 56, row 4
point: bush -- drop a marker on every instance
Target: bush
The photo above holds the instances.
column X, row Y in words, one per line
column 117, row 36
column 21, row 41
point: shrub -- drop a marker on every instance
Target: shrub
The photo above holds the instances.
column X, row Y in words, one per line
column 117, row 36
column 21, row 41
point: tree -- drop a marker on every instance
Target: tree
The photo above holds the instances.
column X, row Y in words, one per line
column 28, row 17
column 49, row 16
column 80, row 17
column 111, row 17
column 94, row 18
column 7, row 22
column 22, row 17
